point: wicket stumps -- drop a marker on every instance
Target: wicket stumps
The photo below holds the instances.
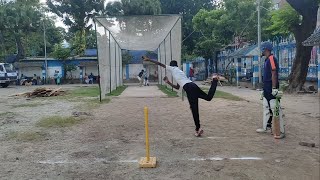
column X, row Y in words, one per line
column 147, row 162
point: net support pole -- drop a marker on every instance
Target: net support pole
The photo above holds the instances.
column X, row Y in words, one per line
column 95, row 30
column 171, row 58
column 110, row 60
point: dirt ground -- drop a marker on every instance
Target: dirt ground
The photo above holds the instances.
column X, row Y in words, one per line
column 108, row 144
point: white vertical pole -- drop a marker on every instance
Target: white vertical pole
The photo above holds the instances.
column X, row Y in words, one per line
column 259, row 40
column 45, row 51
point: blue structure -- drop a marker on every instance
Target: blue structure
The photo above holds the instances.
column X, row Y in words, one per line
column 314, row 40
column 30, row 66
column 245, row 61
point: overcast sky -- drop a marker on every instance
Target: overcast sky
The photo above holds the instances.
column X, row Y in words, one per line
column 59, row 22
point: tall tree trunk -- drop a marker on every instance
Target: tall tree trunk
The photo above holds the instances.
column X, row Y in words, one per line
column 308, row 10
column 206, row 62
column 216, row 61
column 21, row 53
column 2, row 46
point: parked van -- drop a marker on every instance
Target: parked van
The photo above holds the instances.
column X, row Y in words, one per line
column 7, row 74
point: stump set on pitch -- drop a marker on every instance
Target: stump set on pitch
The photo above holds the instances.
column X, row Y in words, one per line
column 147, row 162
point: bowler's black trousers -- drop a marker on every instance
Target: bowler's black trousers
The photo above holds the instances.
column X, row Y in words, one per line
column 193, row 94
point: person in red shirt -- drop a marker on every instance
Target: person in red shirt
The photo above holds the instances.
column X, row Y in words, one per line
column 191, row 73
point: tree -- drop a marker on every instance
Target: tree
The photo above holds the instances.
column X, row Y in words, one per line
column 126, row 57
column 91, row 40
column 34, row 41
column 63, row 54
column 219, row 27
column 78, row 43
column 137, row 7
column 298, row 17
column 188, row 9
column 19, row 18
column 76, row 13
column 141, row 7
column 21, row 29
column 114, row 9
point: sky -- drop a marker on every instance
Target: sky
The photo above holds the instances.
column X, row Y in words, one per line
column 58, row 20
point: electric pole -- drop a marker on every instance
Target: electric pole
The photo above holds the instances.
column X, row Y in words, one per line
column 259, row 40
column 45, row 50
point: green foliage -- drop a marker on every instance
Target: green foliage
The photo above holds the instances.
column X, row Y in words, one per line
column 168, row 91
column 141, row 7
column 188, row 9
column 61, row 53
column 235, row 18
column 114, row 9
column 118, row 91
column 58, row 121
column 78, row 43
column 137, row 7
column 84, row 92
column 70, row 68
column 126, row 57
column 91, row 40
column 76, row 13
column 18, row 18
column 283, row 21
column 26, row 136
column 21, row 29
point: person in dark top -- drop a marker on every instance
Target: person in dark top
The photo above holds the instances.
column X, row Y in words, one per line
column 91, row 76
column 140, row 77
column 270, row 89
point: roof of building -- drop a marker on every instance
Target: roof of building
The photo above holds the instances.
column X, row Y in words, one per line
column 243, row 52
column 28, row 64
column 90, row 52
column 314, row 39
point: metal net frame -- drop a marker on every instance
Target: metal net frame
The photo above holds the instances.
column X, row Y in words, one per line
column 158, row 33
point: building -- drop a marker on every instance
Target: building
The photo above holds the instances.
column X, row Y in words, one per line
column 314, row 40
column 36, row 66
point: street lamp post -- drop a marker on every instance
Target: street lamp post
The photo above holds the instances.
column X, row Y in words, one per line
column 45, row 50
column 259, row 39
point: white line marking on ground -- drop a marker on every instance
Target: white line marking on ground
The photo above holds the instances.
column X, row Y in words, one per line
column 207, row 138
column 99, row 160
column 246, row 158
column 220, row 158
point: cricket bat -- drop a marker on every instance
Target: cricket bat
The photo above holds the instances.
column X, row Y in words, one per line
column 276, row 119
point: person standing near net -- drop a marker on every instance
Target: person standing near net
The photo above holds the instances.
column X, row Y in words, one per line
column 140, row 78
column 146, row 76
column 270, row 90
column 192, row 90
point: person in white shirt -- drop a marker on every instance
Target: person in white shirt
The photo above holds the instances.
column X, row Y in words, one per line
column 192, row 90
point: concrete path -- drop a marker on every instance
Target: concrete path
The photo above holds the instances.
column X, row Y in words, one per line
column 144, row 91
